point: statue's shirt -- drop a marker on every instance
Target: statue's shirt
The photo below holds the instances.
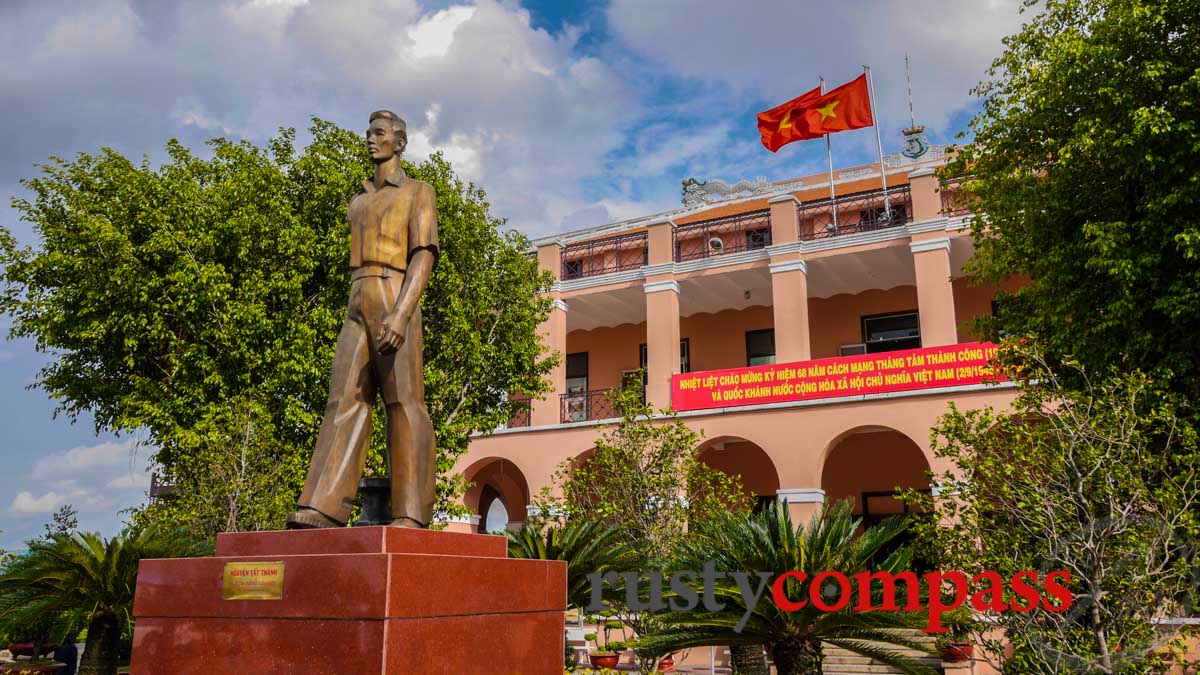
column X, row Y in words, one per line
column 389, row 224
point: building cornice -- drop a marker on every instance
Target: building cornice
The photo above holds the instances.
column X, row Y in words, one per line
column 801, row 496
column 782, row 199
column 659, row 286
column 931, row 225
column 788, row 266
column 939, row 244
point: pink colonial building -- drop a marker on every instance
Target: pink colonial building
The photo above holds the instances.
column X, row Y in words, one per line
column 735, row 280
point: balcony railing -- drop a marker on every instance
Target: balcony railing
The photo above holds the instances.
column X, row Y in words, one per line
column 709, row 238
column 955, row 202
column 586, row 405
column 604, row 256
column 520, row 412
column 859, row 212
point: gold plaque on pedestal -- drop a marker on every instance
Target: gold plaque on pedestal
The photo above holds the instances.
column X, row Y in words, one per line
column 252, row 581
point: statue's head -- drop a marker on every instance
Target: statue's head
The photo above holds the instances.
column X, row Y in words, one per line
column 387, row 135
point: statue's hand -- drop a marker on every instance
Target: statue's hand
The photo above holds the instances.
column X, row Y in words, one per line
column 391, row 334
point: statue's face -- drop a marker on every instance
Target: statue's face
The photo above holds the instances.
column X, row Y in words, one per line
column 381, row 140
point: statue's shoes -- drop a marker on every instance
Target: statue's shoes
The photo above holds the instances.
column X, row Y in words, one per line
column 308, row 519
column 405, row 521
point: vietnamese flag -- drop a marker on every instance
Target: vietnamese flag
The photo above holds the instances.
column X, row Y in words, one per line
column 813, row 114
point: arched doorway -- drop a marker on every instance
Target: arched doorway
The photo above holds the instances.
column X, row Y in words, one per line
column 868, row 464
column 737, row 456
column 500, row 494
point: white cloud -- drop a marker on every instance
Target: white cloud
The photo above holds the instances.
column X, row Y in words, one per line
column 131, row 480
column 25, row 504
column 519, row 110
column 86, row 458
column 107, row 28
column 516, row 108
column 777, row 48
column 431, row 38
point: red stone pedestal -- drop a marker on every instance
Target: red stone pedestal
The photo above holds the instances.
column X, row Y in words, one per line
column 363, row 600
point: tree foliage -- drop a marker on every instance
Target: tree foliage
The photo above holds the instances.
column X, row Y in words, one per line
column 768, row 542
column 587, row 547
column 201, row 302
column 65, row 520
column 644, row 477
column 1097, row 477
column 1083, row 172
column 83, row 579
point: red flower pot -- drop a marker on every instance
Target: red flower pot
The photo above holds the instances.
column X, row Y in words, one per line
column 958, row 652
column 666, row 665
column 605, row 660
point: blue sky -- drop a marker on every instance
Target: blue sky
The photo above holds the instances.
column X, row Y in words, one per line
column 569, row 114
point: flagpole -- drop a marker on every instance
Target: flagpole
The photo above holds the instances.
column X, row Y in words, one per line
column 829, row 158
column 887, row 205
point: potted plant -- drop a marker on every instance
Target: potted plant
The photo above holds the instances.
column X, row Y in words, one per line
column 608, row 655
column 955, row 644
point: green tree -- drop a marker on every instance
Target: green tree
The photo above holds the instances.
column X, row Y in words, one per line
column 203, row 298
column 644, row 478
column 84, row 579
column 1083, row 175
column 769, row 542
column 63, row 521
column 587, row 547
column 1096, row 477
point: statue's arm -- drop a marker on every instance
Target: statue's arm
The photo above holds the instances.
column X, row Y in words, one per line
column 423, row 245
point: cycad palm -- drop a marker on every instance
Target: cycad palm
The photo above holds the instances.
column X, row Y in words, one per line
column 768, row 542
column 86, row 578
column 586, row 546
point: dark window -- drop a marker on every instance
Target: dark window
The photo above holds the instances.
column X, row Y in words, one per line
column 645, row 255
column 760, row 238
column 760, row 347
column 685, row 355
column 997, row 321
column 572, row 269
column 577, row 385
column 877, row 217
column 890, row 332
column 577, row 372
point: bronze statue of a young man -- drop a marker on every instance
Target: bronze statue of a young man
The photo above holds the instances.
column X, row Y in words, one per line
column 393, row 247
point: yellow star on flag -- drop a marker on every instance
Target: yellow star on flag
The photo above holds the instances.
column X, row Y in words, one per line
column 827, row 111
column 787, row 121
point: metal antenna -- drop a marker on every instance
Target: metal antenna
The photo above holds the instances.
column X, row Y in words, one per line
column 908, row 79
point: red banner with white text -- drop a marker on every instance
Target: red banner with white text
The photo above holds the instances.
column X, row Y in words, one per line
column 907, row 370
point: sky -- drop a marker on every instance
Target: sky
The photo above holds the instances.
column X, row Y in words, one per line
column 569, row 114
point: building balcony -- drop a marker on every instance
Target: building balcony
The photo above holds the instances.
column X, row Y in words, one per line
column 719, row 236
column 955, row 202
column 585, row 406
column 867, row 211
column 520, row 412
column 604, row 256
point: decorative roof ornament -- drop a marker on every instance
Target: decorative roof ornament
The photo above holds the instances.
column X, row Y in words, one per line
column 916, row 148
column 915, row 143
column 699, row 192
